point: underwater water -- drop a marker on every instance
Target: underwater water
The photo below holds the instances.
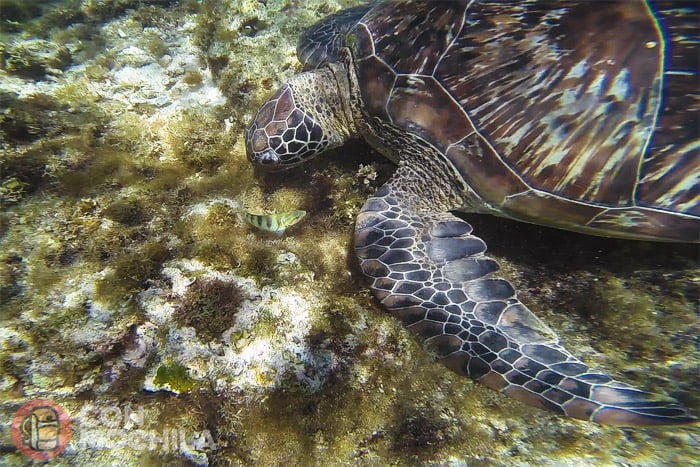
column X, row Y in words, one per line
column 165, row 330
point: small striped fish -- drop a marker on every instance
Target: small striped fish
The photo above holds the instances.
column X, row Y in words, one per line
column 275, row 223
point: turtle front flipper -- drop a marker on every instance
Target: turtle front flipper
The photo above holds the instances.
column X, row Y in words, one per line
column 430, row 271
column 320, row 43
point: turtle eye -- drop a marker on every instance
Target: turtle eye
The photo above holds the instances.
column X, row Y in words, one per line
column 283, row 134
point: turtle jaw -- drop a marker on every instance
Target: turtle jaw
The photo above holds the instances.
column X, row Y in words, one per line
column 267, row 160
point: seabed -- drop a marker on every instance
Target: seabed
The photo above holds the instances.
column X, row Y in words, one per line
column 133, row 295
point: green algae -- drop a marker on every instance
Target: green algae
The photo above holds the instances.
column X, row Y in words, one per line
column 12, row 190
column 174, row 376
column 27, row 119
column 36, row 58
column 193, row 78
column 197, row 139
column 15, row 13
column 130, row 270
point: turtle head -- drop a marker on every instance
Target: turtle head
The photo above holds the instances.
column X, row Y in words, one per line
column 307, row 116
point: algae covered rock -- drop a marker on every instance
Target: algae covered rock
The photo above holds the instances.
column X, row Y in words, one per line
column 36, row 58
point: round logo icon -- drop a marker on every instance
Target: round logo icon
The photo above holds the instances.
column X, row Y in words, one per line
column 41, row 429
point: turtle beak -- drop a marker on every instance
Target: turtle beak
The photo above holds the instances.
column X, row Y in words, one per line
column 267, row 159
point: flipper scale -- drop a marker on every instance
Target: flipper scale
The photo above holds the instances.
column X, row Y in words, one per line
column 431, row 272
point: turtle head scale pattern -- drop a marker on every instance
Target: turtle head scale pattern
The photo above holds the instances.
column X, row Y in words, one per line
column 304, row 118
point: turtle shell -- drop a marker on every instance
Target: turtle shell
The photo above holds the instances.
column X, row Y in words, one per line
column 583, row 116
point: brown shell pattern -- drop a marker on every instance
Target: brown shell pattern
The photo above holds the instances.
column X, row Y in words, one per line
column 584, row 116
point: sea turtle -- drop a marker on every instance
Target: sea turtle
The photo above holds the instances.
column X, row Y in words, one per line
column 571, row 114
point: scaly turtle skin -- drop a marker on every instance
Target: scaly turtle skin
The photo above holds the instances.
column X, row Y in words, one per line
column 568, row 114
